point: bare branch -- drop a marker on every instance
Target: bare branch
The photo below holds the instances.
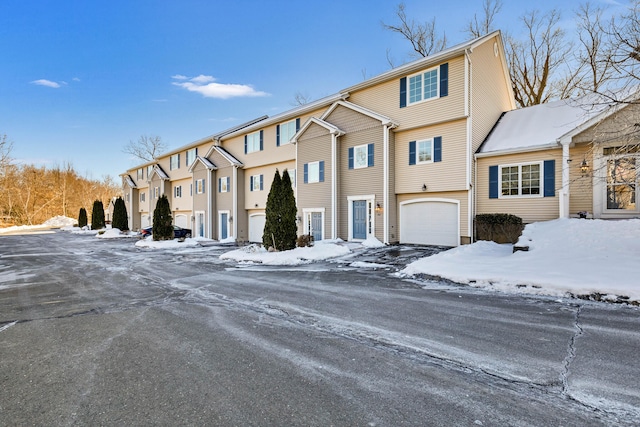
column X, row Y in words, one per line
column 422, row 37
column 300, row 98
column 146, row 148
column 478, row 28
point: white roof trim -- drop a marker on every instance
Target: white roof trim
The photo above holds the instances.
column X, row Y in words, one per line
column 365, row 111
column 130, row 181
column 519, row 150
column 333, row 130
column 206, row 162
column 161, row 173
column 224, row 153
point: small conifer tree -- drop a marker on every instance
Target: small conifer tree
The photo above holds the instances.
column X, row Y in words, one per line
column 272, row 214
column 82, row 218
column 162, row 226
column 97, row 215
column 289, row 228
column 120, row 220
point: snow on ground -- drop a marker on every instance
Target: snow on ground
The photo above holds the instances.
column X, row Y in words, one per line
column 115, row 233
column 575, row 256
column 321, row 250
column 148, row 242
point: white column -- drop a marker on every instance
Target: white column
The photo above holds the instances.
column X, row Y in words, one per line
column 334, row 185
column 564, row 190
column 385, row 183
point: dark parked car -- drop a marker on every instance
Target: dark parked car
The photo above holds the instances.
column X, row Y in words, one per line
column 178, row 232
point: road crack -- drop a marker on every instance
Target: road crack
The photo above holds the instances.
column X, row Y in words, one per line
column 571, row 352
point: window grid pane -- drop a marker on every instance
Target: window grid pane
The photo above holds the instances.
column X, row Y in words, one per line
column 415, row 89
column 424, row 151
column 431, row 84
column 530, row 179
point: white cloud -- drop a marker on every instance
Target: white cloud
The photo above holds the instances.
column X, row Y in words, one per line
column 207, row 86
column 75, row 79
column 45, row 82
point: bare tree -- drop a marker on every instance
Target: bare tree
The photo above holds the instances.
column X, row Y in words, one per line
column 535, row 61
column 300, row 98
column 480, row 27
column 146, row 148
column 5, row 152
column 423, row 37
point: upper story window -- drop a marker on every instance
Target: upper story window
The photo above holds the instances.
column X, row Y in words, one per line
column 253, row 142
column 425, row 85
column 292, row 176
column 361, row 156
column 149, row 170
column 191, row 156
column 177, row 191
column 285, row 131
column 200, row 186
column 223, row 184
column 156, row 192
column 142, row 197
column 314, row 172
column 425, row 151
column 256, row 183
column 174, row 162
column 140, row 173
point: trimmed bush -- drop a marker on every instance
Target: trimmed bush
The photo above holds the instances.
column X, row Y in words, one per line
column 97, row 215
column 162, row 226
column 120, row 220
column 82, row 218
column 498, row 227
column 304, row 240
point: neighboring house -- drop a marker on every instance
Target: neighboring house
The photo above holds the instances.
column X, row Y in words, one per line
column 391, row 157
column 560, row 159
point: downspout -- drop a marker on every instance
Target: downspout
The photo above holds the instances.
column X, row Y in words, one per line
column 565, row 190
column 234, row 202
column 334, row 185
column 468, row 93
column 385, row 183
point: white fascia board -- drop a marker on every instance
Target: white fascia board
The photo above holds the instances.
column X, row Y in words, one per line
column 519, row 150
column 333, row 130
column 206, row 162
column 385, row 121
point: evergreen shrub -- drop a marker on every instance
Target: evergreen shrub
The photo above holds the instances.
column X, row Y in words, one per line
column 498, row 227
column 97, row 215
column 162, row 220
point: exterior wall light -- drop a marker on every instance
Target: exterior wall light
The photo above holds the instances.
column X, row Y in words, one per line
column 584, row 167
column 424, row 187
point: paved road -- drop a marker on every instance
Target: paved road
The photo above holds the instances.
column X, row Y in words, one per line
column 97, row 332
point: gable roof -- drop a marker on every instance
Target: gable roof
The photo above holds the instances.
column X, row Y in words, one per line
column 206, row 162
column 224, row 153
column 333, row 130
column 129, row 181
column 540, row 126
column 383, row 119
column 158, row 170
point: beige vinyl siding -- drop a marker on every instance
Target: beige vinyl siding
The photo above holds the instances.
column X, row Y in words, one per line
column 384, row 99
column 461, row 196
column 489, row 91
column 241, row 217
column 314, row 146
column 392, row 206
column 580, row 187
column 530, row 209
column 200, row 200
column 253, row 198
column 447, row 175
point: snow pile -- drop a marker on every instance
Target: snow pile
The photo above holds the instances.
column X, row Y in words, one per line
column 115, row 233
column 321, row 250
column 60, row 222
column 372, row 242
column 148, row 242
column 575, row 256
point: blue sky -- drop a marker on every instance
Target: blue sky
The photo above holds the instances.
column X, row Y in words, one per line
column 79, row 79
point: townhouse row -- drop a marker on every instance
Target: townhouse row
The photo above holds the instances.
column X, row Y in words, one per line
column 409, row 156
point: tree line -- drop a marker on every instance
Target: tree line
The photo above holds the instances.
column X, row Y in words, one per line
column 31, row 194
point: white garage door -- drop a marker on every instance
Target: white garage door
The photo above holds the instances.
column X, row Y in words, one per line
column 429, row 223
column 145, row 221
column 256, row 227
column 181, row 221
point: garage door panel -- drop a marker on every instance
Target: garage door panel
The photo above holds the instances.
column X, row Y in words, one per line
column 256, row 228
column 429, row 223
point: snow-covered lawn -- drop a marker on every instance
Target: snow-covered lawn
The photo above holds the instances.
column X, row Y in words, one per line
column 566, row 257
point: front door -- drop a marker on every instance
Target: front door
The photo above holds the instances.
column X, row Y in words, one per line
column 360, row 219
column 224, row 225
column 200, row 224
column 316, row 225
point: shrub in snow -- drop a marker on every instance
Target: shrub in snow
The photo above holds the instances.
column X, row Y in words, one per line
column 498, row 227
column 120, row 215
column 304, row 240
column 97, row 216
column 82, row 218
column 162, row 226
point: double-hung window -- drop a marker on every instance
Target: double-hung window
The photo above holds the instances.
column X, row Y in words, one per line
column 424, row 151
column 177, row 191
column 200, row 186
column 521, row 180
column 285, row 131
column 256, row 183
column 622, row 177
column 149, row 170
column 191, row 156
column 361, row 156
column 423, row 86
column 314, row 172
column 174, row 162
column 142, row 197
column 223, row 184
column 253, row 142
column 140, row 173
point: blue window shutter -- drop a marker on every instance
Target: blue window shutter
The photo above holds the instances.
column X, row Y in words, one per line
column 219, row 185
column 437, row 149
column 297, row 124
column 321, row 171
column 351, row 158
column 493, row 182
column 245, row 144
column 306, row 173
column 261, row 181
column 412, row 153
column 444, row 79
column 549, row 178
column 370, row 155
column 277, row 135
column 228, row 183
column 261, row 145
column 178, row 160
column 251, row 183
column 403, row 92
